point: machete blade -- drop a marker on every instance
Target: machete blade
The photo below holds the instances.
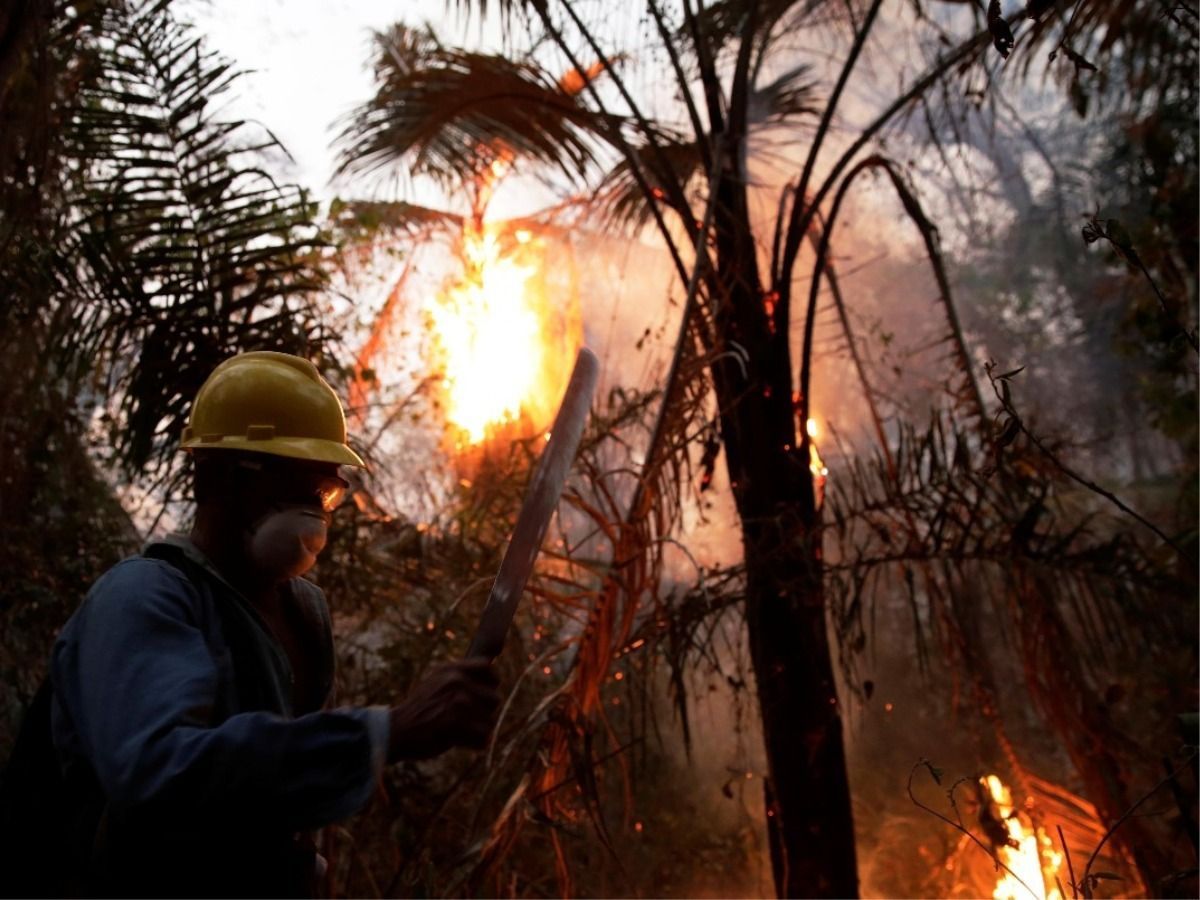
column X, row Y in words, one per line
column 541, row 499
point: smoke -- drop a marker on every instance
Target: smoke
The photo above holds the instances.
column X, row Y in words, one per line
column 985, row 189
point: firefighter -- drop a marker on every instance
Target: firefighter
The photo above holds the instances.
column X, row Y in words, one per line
column 191, row 690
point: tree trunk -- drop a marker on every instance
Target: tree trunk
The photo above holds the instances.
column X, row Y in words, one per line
column 809, row 822
column 810, row 827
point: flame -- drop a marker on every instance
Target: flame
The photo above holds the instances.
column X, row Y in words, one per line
column 816, row 465
column 504, row 351
column 1031, row 855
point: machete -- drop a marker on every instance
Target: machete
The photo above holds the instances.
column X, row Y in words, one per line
column 541, row 499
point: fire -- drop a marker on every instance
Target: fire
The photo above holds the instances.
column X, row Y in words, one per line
column 815, row 464
column 1031, row 854
column 504, row 351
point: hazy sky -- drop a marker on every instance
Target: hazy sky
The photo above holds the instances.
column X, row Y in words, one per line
column 306, row 64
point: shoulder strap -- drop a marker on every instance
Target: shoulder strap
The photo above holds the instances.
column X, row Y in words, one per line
column 314, row 612
column 310, row 607
column 169, row 553
column 259, row 683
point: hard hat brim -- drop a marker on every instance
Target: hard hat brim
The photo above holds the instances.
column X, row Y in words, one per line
column 312, row 449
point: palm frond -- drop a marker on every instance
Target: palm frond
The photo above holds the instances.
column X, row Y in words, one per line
column 790, row 96
column 1151, row 43
column 927, row 500
column 451, row 114
column 359, row 219
column 190, row 249
column 623, row 199
column 720, row 24
column 505, row 9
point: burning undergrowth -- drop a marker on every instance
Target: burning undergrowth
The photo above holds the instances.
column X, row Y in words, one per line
column 935, row 539
column 1010, row 658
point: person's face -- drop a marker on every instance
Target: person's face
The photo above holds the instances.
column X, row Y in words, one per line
column 286, row 507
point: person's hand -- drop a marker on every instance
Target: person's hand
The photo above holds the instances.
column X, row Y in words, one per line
column 455, row 706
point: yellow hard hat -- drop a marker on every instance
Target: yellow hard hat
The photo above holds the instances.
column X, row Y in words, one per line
column 270, row 403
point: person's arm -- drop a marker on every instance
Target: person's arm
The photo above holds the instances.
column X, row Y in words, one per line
column 136, row 679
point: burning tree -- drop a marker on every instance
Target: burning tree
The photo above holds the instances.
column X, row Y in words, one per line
column 735, row 374
column 734, row 341
column 136, row 224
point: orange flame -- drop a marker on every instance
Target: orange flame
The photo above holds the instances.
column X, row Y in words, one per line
column 504, row 349
column 1030, row 854
column 816, row 465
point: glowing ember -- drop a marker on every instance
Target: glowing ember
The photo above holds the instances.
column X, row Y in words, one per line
column 1031, row 855
column 504, row 351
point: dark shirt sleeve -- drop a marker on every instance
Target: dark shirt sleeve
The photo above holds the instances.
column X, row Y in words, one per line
column 136, row 686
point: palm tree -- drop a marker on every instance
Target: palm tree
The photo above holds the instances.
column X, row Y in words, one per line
column 174, row 247
column 449, row 114
column 142, row 241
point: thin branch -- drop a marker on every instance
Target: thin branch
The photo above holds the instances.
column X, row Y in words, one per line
column 739, row 91
column 803, row 213
column 958, row 826
column 1070, row 867
column 929, row 236
column 1162, row 301
column 618, row 139
column 788, row 192
column 680, row 76
column 571, row 779
column 688, row 311
column 827, row 116
column 708, row 71
column 1129, row 812
column 852, row 344
column 670, row 182
column 1113, row 232
column 1112, row 498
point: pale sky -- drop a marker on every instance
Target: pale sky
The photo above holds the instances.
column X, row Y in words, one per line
column 306, row 64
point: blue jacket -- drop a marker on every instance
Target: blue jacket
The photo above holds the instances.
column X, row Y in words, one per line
column 170, row 690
